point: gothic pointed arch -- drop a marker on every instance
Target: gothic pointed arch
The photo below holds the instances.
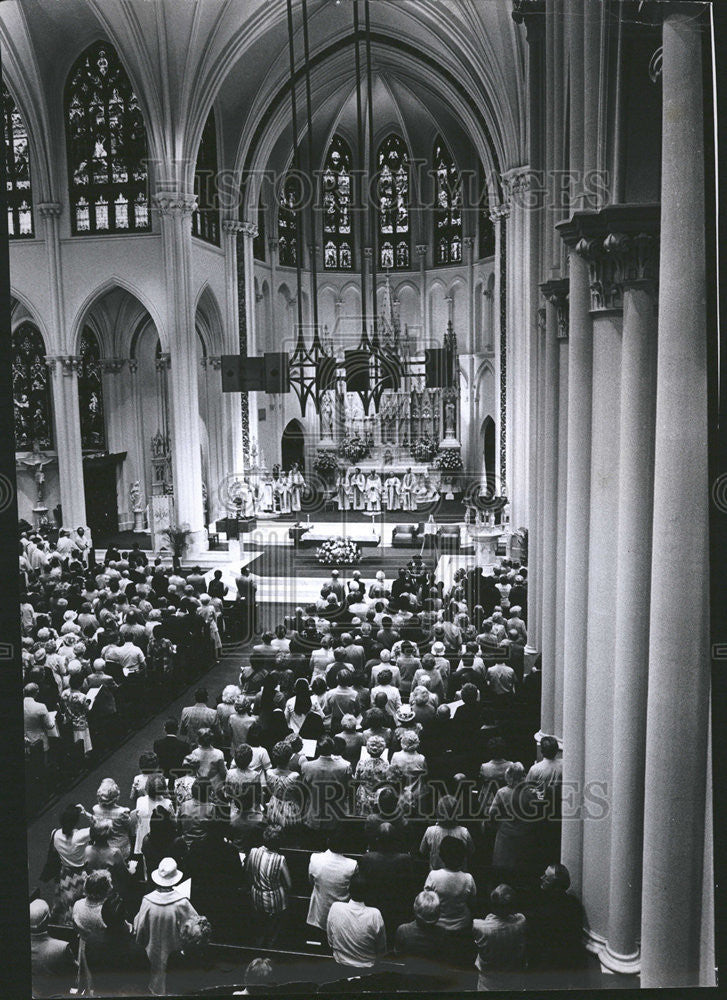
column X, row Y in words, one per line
column 106, row 146
column 337, row 221
column 393, row 168
column 90, row 393
column 447, row 206
column 206, row 218
column 18, row 190
column 31, row 389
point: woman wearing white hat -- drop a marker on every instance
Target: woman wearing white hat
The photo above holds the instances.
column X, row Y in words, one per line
column 160, row 919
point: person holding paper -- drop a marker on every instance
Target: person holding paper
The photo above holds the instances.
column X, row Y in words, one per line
column 159, row 921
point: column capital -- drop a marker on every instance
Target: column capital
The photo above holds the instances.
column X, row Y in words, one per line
column 232, row 226
column 498, row 212
column 163, row 362
column 133, row 364
column 620, row 245
column 249, row 229
column 70, row 364
column 214, row 361
column 368, row 252
column 556, row 292
column 50, row 209
column 531, row 13
column 421, row 249
column 540, row 321
column 112, row 366
column 174, row 203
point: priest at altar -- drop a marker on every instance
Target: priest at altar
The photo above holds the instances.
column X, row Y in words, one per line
column 373, row 493
column 392, row 491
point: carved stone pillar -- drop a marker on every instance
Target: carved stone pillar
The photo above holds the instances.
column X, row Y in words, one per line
column 64, row 374
column 421, row 252
column 175, row 210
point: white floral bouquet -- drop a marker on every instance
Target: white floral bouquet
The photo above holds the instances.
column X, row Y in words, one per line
column 339, row 552
column 449, row 460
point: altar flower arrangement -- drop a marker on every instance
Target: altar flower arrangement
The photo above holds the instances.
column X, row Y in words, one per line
column 325, row 464
column 354, row 448
column 449, row 460
column 339, row 552
column 424, row 448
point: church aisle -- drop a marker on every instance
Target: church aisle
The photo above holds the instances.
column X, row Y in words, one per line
column 122, row 764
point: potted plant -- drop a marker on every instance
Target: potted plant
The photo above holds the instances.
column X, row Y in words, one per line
column 178, row 537
column 326, row 465
column 424, row 448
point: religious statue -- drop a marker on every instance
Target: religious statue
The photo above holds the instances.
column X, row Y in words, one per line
column 327, row 415
column 37, row 461
column 135, row 500
column 450, row 415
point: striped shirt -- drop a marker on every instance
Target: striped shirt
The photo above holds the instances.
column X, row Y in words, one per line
column 269, row 877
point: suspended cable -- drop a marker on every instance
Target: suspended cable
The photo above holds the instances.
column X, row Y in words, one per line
column 296, row 167
column 362, row 172
column 371, row 173
column 311, row 173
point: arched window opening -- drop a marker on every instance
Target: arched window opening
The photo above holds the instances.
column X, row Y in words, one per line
column 337, row 226
column 31, row 390
column 17, row 171
column 107, row 150
column 206, row 219
column 393, row 190
column 90, row 394
column 288, row 222
column 447, row 206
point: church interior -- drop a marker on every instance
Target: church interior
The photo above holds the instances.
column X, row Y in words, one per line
column 426, row 276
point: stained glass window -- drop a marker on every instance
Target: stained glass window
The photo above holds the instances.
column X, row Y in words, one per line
column 31, row 390
column 447, row 206
column 288, row 223
column 90, row 394
column 206, row 220
column 394, row 232
column 107, row 152
column 337, row 226
column 17, row 171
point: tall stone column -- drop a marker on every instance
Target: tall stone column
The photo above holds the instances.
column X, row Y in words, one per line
column 638, row 262
column 575, row 593
column 498, row 215
column 64, row 372
column 560, row 517
column 231, row 404
column 601, row 633
column 116, row 407
column 555, row 293
column 175, row 212
column 139, row 469
column 535, row 582
column 249, row 232
column 421, row 252
column 677, row 716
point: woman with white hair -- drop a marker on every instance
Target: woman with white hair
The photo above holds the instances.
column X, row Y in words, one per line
column 107, row 807
column 225, row 711
column 370, row 775
column 208, row 615
column 413, row 765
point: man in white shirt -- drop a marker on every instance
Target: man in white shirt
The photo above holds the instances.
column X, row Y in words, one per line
column 547, row 772
column 355, row 931
column 330, row 874
column 501, row 680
